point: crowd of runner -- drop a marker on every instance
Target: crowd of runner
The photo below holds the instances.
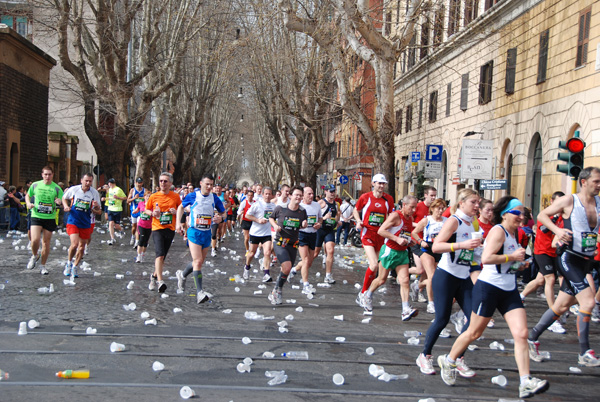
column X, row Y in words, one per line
column 470, row 253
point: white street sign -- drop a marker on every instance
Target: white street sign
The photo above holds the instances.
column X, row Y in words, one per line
column 477, row 159
column 433, row 170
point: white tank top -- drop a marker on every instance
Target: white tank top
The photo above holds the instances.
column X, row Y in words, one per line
column 313, row 211
column 458, row 263
column 432, row 229
column 502, row 275
column 584, row 237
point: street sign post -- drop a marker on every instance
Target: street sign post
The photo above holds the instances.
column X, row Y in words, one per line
column 493, row 184
column 343, row 179
column 415, row 157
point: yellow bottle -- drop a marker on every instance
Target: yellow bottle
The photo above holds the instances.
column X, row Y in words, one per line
column 73, row 374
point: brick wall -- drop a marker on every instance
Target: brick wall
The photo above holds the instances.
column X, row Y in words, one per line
column 24, row 108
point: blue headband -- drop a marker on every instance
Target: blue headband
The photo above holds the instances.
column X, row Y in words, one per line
column 512, row 204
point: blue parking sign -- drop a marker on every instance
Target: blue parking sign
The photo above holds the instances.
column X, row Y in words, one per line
column 434, row 153
column 415, row 157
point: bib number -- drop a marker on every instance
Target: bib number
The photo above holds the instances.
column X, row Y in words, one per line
column 291, row 223
column 203, row 222
column 44, row 208
column 268, row 214
column 81, row 205
column 465, row 257
column 588, row 242
column 112, row 202
column 144, row 216
column 166, row 218
column 376, row 218
column 312, row 219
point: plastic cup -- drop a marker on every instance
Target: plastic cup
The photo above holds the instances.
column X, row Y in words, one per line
column 158, row 366
column 370, row 351
column 499, row 380
column 90, row 331
column 117, row 347
column 33, row 324
column 242, row 368
column 338, row 379
column 246, row 340
column 476, row 235
column 144, row 315
column 376, row 370
column 248, row 361
column 186, row 392
column 22, row 328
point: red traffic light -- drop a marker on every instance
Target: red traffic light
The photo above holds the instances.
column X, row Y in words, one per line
column 575, row 145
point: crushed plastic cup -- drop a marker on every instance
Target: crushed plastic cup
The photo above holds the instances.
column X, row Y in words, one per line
column 119, row 276
column 117, row 347
column 227, row 311
column 268, row 355
column 248, row 361
column 158, row 366
column 150, row 322
column 472, row 347
column 445, row 333
column 258, row 292
column 22, row 328
column 299, row 309
column 97, row 274
column 283, row 330
column 340, row 339
column 177, row 310
column 427, row 400
column 246, row 340
column 129, row 307
column 280, row 379
column 164, row 296
column 130, row 285
column 282, row 323
column 366, row 320
column 51, row 288
column 32, row 324
column 237, row 289
column 496, row 346
column 289, row 317
column 68, row 282
column 90, row 331
column 243, row 368
column 376, row 370
column 392, row 377
column 370, row 351
column 338, row 379
column 545, row 355
column 413, row 341
column 339, row 317
column 499, row 380
column 144, row 315
column 574, row 369
column 186, row 392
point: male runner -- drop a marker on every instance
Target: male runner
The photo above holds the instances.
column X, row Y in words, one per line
column 577, row 243
column 422, row 211
column 374, row 208
column 326, row 234
column 114, row 201
column 246, row 223
column 260, row 232
column 42, row 198
column 81, row 202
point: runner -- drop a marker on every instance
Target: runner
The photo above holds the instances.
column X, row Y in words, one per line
column 81, row 202
column 308, row 239
column 374, row 208
column 430, row 227
column 394, row 255
column 216, row 228
column 451, row 280
column 577, row 243
column 42, row 198
column 202, row 204
column 284, row 199
column 326, row 234
column 114, row 201
column 144, row 228
column 429, row 195
column 162, row 205
column 346, row 216
column 260, row 233
column 246, row 223
column 496, row 289
column 136, row 195
column 287, row 222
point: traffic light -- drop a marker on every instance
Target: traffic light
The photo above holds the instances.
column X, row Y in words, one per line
column 574, row 156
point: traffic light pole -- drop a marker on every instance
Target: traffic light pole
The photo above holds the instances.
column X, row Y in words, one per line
column 573, row 185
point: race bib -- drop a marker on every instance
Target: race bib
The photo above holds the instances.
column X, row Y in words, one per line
column 144, row 216
column 312, row 219
column 81, row 205
column 112, row 202
column 139, row 199
column 44, row 208
column 166, row 218
column 268, row 214
column 465, row 257
column 203, row 221
column 330, row 222
column 376, row 218
column 514, row 268
column 291, row 223
column 588, row 241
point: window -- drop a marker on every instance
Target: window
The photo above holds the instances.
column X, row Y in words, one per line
column 511, row 68
column 471, row 9
column 438, row 27
column 420, row 113
column 19, row 24
column 412, row 51
column 485, row 83
column 489, row 4
column 409, row 113
column 448, row 99
column 583, row 37
column 464, row 91
column 388, row 24
column 543, row 56
column 454, row 17
column 433, row 106
column 424, row 39
column 398, row 128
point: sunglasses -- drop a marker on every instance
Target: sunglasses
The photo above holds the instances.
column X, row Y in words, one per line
column 515, row 212
column 164, row 181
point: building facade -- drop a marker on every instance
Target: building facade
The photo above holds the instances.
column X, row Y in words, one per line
column 521, row 75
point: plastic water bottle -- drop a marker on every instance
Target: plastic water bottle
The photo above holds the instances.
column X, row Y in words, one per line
column 3, row 375
column 73, row 374
column 411, row 334
column 296, row 355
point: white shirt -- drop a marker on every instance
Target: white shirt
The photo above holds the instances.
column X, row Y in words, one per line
column 260, row 209
column 313, row 211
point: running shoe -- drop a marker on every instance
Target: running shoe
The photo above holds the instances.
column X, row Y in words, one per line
column 491, row 323
column 430, row 309
column 308, row 289
column 534, row 352
column 162, row 286
column 180, row 280
column 74, row 271
column 359, row 299
column 152, row 284
column 532, row 386
column 463, row 369
column 421, row 298
column 246, row 273
column 557, row 328
column 213, row 252
column 111, row 242
column 329, row 279
column 32, row 261
column 425, row 363
column 132, row 240
column 596, row 314
column 85, row 250
column 201, row 297
column 136, row 244
column 409, row 313
column 574, row 309
column 267, row 278
column 257, row 254
column 368, row 303
column 448, row 371
column 292, row 274
column 275, row 297
column 138, row 259
column 589, row 359
column 67, row 270
column 43, row 270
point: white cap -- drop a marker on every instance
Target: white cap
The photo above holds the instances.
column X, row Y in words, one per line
column 379, row 178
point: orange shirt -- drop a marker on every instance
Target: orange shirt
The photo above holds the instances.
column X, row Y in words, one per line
column 165, row 202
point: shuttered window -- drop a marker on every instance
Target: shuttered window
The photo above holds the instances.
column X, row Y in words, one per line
column 485, row 83
column 420, row 113
column 543, row 56
column 398, row 122
column 448, row 99
column 511, row 68
column 433, row 97
column 464, row 91
column 409, row 113
column 583, row 37
column 471, row 10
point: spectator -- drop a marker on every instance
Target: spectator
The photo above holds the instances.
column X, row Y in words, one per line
column 3, row 202
column 15, row 208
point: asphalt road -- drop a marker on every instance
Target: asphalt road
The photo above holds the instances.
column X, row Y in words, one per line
column 201, row 346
